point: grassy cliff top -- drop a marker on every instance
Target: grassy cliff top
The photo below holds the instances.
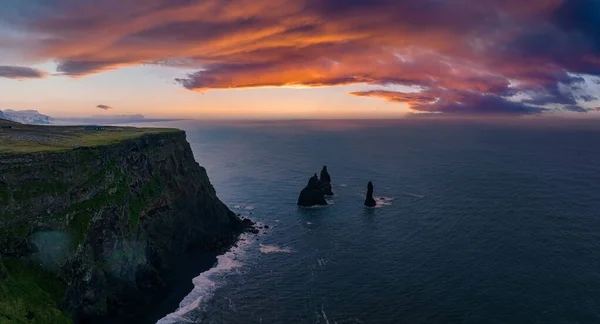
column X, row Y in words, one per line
column 18, row 138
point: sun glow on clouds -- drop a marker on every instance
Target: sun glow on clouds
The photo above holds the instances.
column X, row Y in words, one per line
column 455, row 56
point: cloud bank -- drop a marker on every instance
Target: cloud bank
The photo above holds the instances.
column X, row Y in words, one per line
column 460, row 56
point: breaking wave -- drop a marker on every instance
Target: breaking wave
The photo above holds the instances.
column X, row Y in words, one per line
column 207, row 282
column 274, row 249
column 383, row 201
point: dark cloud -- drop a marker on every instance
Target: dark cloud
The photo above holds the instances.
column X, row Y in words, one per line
column 470, row 56
column 587, row 98
column 456, row 102
column 486, row 104
column 575, row 108
column 580, row 17
column 104, row 107
column 80, row 68
column 21, row 72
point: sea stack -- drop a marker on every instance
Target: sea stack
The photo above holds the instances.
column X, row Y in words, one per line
column 369, row 201
column 326, row 182
column 312, row 194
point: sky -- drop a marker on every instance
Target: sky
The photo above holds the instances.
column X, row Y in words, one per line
column 300, row 58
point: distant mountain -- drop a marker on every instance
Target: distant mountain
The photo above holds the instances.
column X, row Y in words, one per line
column 2, row 115
column 26, row 117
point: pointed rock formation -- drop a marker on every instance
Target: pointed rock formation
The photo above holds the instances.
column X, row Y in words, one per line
column 326, row 182
column 312, row 194
column 369, row 201
column 325, row 175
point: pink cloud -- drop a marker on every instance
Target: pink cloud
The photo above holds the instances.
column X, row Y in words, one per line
column 463, row 52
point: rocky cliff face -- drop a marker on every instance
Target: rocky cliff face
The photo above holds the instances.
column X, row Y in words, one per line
column 94, row 229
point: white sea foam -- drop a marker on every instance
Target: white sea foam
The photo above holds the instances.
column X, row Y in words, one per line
column 243, row 207
column 274, row 249
column 324, row 315
column 322, row 262
column 207, row 282
column 383, row 201
column 309, row 223
column 316, row 206
column 414, row 195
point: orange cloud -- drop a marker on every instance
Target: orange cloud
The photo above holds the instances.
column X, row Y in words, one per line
column 457, row 52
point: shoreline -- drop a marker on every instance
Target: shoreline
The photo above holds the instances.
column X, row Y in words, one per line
column 185, row 267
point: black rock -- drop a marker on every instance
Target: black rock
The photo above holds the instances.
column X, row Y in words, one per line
column 325, row 175
column 369, row 201
column 248, row 226
column 312, row 194
column 326, row 182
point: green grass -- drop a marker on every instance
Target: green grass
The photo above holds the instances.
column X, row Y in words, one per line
column 29, row 291
column 31, row 138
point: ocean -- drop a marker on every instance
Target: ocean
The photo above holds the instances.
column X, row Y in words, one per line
column 478, row 222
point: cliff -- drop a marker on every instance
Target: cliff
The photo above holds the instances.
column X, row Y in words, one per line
column 90, row 230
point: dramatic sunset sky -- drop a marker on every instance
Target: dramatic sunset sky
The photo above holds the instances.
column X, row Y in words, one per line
column 299, row 58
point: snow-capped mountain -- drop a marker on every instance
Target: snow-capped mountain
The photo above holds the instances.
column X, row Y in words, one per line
column 26, row 117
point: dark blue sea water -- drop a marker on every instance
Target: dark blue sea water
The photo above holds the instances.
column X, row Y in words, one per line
column 482, row 222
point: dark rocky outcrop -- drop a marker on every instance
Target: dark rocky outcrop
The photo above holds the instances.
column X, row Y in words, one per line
column 325, row 182
column 312, row 194
column 369, row 201
column 93, row 231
